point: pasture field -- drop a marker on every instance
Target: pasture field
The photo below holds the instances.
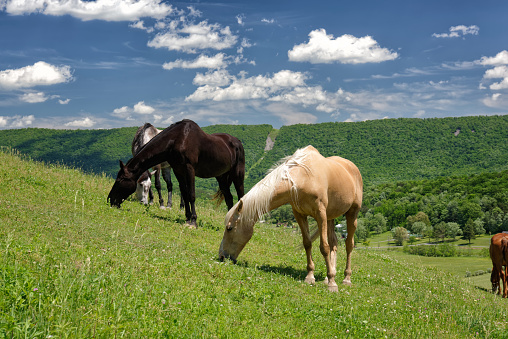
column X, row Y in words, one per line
column 71, row 266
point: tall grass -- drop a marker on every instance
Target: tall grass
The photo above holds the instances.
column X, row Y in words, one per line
column 71, row 266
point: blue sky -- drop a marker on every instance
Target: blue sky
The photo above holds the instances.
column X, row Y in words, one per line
column 112, row 63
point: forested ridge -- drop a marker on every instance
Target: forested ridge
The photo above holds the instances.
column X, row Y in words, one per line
column 384, row 150
column 451, row 169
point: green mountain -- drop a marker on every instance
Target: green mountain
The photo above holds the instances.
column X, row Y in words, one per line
column 385, row 150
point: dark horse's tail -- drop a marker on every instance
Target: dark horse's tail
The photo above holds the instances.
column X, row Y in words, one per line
column 218, row 197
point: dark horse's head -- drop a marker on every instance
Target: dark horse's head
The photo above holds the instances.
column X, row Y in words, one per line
column 124, row 186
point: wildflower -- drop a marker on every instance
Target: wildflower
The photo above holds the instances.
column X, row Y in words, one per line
column 36, row 289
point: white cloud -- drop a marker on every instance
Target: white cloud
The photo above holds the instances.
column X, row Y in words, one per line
column 108, row 10
column 193, row 37
column 202, row 61
column 458, row 31
column 16, row 121
column 501, row 58
column 85, row 123
column 127, row 113
column 142, row 108
column 240, row 19
column 240, row 88
column 218, row 78
column 346, row 49
column 38, row 74
column 268, row 21
column 141, row 25
column 498, row 72
column 33, row 97
column 64, row 102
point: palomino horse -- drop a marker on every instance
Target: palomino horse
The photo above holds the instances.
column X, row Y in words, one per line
column 499, row 256
column 323, row 188
column 190, row 152
column 144, row 192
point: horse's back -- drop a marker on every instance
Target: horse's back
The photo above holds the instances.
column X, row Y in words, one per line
column 498, row 249
column 335, row 180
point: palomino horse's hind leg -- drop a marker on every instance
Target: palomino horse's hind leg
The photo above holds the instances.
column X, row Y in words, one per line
column 332, row 242
column 307, row 244
column 350, row 243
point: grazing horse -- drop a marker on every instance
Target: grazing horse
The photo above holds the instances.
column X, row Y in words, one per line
column 499, row 256
column 190, row 152
column 143, row 135
column 323, row 188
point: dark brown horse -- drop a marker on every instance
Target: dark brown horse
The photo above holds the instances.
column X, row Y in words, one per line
column 499, row 256
column 190, row 152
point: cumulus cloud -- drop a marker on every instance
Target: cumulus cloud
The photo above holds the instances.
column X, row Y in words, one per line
column 500, row 71
column 127, row 113
column 16, row 121
column 458, row 31
column 203, row 61
column 108, row 10
column 33, row 97
column 141, row 25
column 346, row 49
column 38, row 74
column 142, row 108
column 64, row 102
column 193, row 37
column 242, row 87
column 501, row 58
column 218, row 78
column 84, row 123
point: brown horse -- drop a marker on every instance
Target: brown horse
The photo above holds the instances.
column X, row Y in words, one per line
column 323, row 188
column 190, row 152
column 499, row 256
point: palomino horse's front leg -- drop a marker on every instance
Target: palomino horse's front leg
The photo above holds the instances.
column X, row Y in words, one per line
column 350, row 243
column 307, row 244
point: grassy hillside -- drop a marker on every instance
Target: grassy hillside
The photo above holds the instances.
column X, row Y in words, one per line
column 71, row 266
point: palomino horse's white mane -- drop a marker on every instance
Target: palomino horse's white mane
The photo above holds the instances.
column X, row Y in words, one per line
column 257, row 201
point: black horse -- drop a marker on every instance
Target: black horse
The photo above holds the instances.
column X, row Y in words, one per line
column 190, row 152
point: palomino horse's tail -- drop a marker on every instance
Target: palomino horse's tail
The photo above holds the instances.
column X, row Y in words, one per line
column 219, row 197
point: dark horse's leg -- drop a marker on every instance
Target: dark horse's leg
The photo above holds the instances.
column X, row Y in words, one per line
column 166, row 175
column 186, row 181
column 158, row 185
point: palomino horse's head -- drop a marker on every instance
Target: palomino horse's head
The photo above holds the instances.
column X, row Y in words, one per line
column 124, row 186
column 238, row 232
column 143, row 185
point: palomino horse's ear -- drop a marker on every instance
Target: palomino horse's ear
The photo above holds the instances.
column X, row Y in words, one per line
column 121, row 164
column 240, row 206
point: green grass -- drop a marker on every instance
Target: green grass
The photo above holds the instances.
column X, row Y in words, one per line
column 71, row 266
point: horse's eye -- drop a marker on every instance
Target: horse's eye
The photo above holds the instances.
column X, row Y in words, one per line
column 229, row 226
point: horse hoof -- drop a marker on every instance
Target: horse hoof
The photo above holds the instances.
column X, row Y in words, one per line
column 192, row 225
column 346, row 282
column 310, row 280
column 162, row 207
column 333, row 288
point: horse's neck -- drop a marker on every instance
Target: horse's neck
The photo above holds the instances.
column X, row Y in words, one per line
column 280, row 196
column 146, row 158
